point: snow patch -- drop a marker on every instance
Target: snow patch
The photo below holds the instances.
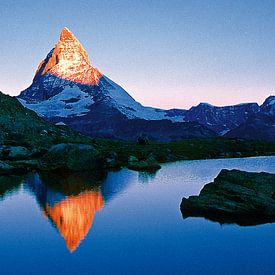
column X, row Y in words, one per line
column 271, row 102
column 61, row 123
column 222, row 133
column 131, row 108
column 71, row 101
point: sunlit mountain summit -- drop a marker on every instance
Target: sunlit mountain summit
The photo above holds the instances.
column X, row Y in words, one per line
column 70, row 61
column 66, row 89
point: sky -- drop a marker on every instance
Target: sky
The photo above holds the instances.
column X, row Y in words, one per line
column 164, row 53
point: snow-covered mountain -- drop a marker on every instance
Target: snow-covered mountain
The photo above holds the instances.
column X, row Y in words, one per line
column 268, row 106
column 67, row 90
column 66, row 85
column 221, row 119
column 260, row 126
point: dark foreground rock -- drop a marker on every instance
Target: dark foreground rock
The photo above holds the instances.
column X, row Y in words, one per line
column 13, row 152
column 235, row 197
column 6, row 168
column 75, row 157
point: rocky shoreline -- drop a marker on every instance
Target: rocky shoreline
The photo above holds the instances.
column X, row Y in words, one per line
column 107, row 155
column 235, row 196
column 66, row 157
column 29, row 143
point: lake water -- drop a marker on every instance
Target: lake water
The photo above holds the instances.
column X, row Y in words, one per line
column 131, row 224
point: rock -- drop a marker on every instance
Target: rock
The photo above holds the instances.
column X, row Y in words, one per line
column 28, row 165
column 7, row 169
column 75, row 157
column 14, row 152
column 38, row 152
column 112, row 161
column 44, row 133
column 132, row 159
column 2, row 137
column 18, row 152
column 150, row 164
column 235, row 197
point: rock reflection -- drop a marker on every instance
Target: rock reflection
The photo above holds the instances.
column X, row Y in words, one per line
column 146, row 177
column 9, row 185
column 69, row 202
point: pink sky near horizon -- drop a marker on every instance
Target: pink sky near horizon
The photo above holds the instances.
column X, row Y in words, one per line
column 167, row 95
column 166, row 55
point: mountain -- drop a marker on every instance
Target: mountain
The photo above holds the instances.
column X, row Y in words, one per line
column 259, row 126
column 221, row 119
column 20, row 125
column 66, row 89
column 268, row 106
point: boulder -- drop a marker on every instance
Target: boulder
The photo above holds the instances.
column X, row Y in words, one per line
column 5, row 168
column 8, row 169
column 234, row 197
column 112, row 161
column 132, row 159
column 14, row 152
column 26, row 165
column 150, row 164
column 71, row 156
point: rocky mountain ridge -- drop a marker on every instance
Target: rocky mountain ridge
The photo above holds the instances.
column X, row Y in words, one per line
column 260, row 125
column 99, row 108
column 67, row 90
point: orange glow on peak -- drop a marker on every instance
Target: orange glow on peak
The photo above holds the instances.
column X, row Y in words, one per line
column 66, row 34
column 70, row 61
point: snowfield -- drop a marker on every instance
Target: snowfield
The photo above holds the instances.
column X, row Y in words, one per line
column 70, row 102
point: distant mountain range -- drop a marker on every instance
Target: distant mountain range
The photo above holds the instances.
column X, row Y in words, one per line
column 260, row 125
column 67, row 90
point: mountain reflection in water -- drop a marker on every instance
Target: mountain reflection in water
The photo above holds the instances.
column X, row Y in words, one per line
column 74, row 215
column 68, row 201
column 9, row 185
column 139, row 229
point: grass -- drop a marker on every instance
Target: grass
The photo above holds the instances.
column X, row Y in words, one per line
column 186, row 149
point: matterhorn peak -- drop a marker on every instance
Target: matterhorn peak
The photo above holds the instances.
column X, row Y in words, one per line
column 69, row 60
column 66, row 35
column 100, row 107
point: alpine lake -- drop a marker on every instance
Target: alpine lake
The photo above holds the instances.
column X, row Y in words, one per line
column 127, row 222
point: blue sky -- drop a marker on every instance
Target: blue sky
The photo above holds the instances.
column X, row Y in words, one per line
column 164, row 53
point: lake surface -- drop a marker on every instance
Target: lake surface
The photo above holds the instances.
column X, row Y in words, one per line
column 127, row 223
